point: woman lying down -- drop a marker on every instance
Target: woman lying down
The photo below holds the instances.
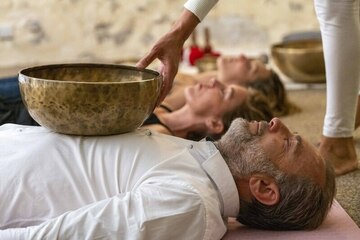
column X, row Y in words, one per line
column 208, row 109
column 242, row 71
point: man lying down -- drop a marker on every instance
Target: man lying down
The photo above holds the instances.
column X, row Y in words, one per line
column 144, row 185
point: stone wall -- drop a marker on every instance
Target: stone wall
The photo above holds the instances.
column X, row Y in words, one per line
column 48, row 31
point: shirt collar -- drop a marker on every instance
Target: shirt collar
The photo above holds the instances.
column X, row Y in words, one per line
column 219, row 172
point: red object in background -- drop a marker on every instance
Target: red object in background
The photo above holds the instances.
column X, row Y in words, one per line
column 195, row 54
column 195, row 51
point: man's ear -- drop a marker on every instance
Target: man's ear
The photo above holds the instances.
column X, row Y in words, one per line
column 264, row 189
column 214, row 125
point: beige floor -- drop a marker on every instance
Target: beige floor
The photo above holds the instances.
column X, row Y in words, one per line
column 309, row 124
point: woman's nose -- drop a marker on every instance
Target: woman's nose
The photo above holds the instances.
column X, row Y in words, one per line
column 215, row 83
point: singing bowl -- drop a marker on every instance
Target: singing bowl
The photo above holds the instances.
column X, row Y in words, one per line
column 207, row 63
column 300, row 60
column 89, row 99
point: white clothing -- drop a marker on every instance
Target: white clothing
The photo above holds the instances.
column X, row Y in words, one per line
column 139, row 185
column 200, row 7
column 340, row 29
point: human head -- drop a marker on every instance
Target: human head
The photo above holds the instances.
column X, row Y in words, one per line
column 240, row 70
column 255, row 74
column 289, row 185
column 218, row 104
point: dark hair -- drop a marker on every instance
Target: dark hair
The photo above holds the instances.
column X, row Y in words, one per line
column 274, row 89
column 256, row 107
column 303, row 205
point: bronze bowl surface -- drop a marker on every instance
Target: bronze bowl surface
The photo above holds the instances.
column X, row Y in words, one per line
column 89, row 99
column 300, row 60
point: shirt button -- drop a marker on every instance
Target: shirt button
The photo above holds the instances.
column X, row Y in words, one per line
column 191, row 146
column 148, row 132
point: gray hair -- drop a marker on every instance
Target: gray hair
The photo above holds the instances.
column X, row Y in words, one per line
column 303, row 203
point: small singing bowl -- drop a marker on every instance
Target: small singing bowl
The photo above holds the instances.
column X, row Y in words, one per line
column 301, row 60
column 89, row 99
column 207, row 63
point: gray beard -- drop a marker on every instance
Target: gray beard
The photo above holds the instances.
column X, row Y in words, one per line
column 242, row 150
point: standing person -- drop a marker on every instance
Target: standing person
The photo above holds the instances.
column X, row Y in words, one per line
column 339, row 21
column 340, row 29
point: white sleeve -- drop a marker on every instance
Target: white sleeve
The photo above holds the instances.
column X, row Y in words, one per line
column 200, row 7
column 155, row 211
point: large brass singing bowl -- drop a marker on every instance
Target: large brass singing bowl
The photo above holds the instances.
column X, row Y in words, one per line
column 302, row 61
column 89, row 99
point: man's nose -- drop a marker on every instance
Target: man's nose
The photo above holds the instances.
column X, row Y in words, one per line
column 276, row 125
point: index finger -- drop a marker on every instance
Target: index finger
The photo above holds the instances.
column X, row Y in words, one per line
column 146, row 60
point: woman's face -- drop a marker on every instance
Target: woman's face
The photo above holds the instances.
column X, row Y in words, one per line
column 214, row 98
column 240, row 70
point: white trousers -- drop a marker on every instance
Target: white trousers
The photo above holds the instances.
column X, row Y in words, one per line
column 340, row 29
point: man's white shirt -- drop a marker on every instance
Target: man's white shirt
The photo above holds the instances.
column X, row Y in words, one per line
column 140, row 185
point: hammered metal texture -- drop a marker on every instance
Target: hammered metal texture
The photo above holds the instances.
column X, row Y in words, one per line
column 89, row 99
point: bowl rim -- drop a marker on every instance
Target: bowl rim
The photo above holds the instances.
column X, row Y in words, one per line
column 23, row 72
column 284, row 48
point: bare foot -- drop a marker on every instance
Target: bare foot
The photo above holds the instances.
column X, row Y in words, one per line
column 340, row 152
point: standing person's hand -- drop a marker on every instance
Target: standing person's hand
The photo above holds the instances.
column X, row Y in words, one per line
column 168, row 50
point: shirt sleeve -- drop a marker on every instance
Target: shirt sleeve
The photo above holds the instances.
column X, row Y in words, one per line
column 200, row 7
column 154, row 211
